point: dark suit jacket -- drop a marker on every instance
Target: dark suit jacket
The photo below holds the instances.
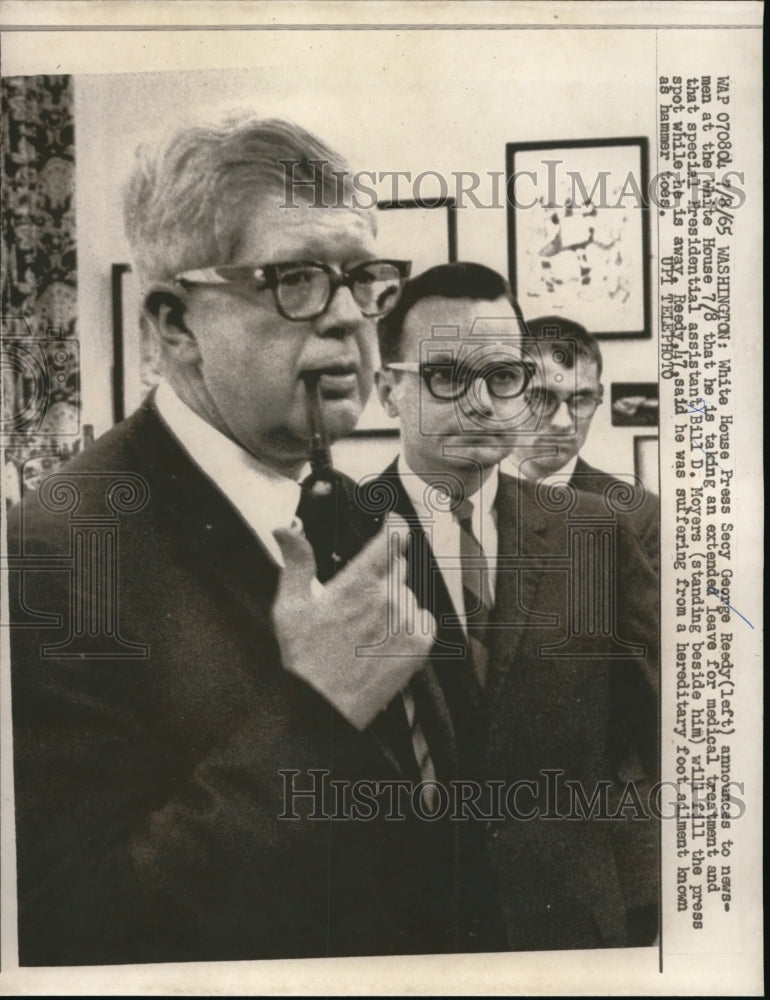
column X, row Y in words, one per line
column 152, row 721
column 645, row 516
column 563, row 703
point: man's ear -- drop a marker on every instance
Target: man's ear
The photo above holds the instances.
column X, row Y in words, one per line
column 383, row 381
column 166, row 306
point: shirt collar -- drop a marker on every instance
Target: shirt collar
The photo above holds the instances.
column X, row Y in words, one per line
column 265, row 499
column 564, row 474
column 416, row 489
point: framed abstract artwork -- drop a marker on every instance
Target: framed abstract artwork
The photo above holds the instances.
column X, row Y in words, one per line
column 578, row 232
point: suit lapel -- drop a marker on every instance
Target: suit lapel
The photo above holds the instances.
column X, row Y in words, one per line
column 217, row 538
column 586, row 477
column 221, row 544
column 523, row 540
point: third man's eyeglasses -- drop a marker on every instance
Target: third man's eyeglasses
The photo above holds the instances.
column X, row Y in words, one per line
column 545, row 403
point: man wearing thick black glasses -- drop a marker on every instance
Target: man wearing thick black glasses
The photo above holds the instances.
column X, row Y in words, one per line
column 563, row 398
column 185, row 687
column 544, row 669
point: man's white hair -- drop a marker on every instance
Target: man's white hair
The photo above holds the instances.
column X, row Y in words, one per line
column 185, row 199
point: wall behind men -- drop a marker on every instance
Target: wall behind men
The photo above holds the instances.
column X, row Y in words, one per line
column 389, row 102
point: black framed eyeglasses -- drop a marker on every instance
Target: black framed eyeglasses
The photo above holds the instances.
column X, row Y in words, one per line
column 545, row 403
column 303, row 289
column 450, row 381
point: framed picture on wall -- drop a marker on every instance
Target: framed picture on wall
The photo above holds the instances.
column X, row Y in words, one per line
column 578, row 232
column 134, row 349
column 424, row 232
column 634, row 404
column 646, row 461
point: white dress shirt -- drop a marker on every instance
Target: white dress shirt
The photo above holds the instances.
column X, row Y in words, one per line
column 265, row 499
column 443, row 531
column 562, row 475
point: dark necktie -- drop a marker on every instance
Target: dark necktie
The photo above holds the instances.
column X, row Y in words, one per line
column 335, row 525
column 477, row 593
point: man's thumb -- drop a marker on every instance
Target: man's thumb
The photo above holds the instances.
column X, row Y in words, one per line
column 298, row 560
column 382, row 553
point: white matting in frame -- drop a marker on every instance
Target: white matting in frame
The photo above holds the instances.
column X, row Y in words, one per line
column 578, row 243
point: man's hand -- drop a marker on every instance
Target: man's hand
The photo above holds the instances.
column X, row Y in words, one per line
column 365, row 603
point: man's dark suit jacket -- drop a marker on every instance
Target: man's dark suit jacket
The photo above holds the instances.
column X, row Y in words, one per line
column 645, row 517
column 148, row 776
column 584, row 712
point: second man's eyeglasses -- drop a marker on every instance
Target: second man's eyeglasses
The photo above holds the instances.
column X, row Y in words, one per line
column 503, row 379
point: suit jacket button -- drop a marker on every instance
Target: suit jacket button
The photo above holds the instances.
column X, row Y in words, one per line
column 493, row 829
column 474, row 927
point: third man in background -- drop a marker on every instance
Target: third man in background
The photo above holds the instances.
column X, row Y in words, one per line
column 564, row 396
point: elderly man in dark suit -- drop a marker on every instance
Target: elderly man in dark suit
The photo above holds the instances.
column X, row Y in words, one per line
column 565, row 394
column 546, row 645
column 187, row 680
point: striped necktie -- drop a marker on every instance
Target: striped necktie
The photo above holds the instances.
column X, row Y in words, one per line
column 477, row 594
column 415, row 700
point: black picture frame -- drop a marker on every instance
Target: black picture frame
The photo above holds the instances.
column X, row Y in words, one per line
column 646, row 463
column 117, row 272
column 437, row 244
column 575, row 221
column 430, row 235
column 134, row 350
column 634, row 404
